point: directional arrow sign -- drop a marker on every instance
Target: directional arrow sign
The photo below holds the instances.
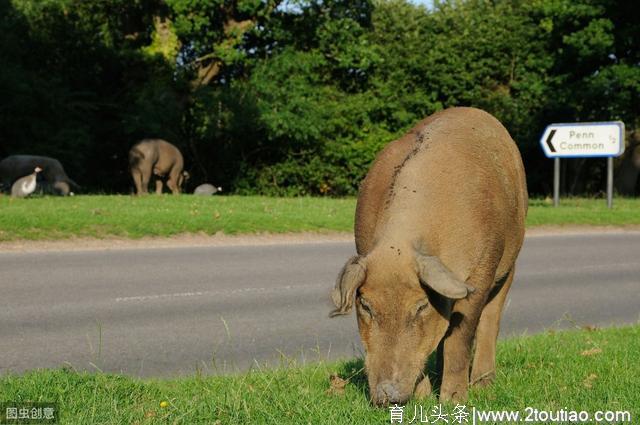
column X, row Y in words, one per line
column 583, row 139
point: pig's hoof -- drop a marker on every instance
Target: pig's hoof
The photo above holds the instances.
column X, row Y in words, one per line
column 423, row 389
column 454, row 395
column 484, row 379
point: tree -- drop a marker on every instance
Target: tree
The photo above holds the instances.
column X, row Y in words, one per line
column 296, row 97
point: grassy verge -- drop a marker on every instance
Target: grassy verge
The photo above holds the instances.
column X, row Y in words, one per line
column 133, row 217
column 582, row 370
column 584, row 211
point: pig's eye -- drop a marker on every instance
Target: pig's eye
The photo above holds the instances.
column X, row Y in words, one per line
column 365, row 306
column 422, row 307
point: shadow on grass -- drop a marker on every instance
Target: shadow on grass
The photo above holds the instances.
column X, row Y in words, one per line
column 353, row 371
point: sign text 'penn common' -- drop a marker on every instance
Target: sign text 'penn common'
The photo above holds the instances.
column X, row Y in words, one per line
column 603, row 139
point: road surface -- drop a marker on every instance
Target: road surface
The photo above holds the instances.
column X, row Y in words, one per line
column 174, row 311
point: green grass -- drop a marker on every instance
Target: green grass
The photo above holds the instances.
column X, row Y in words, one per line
column 161, row 216
column 584, row 211
column 134, row 217
column 547, row 371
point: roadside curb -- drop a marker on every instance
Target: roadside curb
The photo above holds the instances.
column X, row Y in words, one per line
column 259, row 239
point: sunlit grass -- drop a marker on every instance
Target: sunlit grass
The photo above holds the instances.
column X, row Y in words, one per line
column 590, row 370
column 99, row 216
column 161, row 216
column 584, row 211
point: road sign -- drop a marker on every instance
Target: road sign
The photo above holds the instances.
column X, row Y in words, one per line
column 588, row 139
column 583, row 139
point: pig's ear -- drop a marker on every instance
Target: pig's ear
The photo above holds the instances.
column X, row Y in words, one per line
column 349, row 280
column 438, row 277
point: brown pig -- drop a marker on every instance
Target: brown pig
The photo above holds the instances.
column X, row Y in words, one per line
column 439, row 224
column 159, row 158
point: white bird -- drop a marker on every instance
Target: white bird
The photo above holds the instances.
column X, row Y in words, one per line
column 26, row 185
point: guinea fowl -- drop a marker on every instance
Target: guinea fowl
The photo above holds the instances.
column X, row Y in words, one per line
column 207, row 189
column 26, row 185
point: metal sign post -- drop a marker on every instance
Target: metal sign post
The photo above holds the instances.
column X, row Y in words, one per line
column 610, row 182
column 556, row 182
column 580, row 140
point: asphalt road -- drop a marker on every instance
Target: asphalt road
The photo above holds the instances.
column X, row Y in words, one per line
column 174, row 311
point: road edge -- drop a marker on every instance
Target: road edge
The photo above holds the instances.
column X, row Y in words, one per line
column 258, row 239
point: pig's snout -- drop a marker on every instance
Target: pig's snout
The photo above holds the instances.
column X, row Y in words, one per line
column 387, row 393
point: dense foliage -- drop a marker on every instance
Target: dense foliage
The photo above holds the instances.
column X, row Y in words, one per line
column 296, row 97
